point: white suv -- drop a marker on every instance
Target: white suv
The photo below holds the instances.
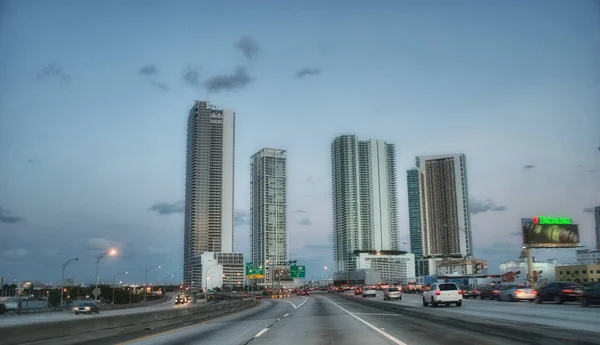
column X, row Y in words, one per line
column 442, row 293
column 368, row 291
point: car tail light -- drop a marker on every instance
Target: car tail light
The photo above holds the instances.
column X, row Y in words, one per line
column 437, row 293
column 460, row 292
column 518, row 291
column 534, row 292
column 476, row 291
column 495, row 291
column 568, row 291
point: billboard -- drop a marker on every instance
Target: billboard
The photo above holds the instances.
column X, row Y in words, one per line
column 550, row 235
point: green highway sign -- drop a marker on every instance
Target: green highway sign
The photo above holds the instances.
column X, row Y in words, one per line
column 297, row 271
column 253, row 272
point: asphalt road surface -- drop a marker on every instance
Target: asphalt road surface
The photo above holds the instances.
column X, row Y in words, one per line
column 567, row 315
column 320, row 318
column 13, row 320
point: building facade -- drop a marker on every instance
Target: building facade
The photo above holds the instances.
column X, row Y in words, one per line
column 414, row 215
column 208, row 218
column 597, row 222
column 268, row 211
column 583, row 274
column 218, row 270
column 444, row 197
column 462, row 266
column 588, row 257
column 365, row 200
column 545, row 270
column 392, row 268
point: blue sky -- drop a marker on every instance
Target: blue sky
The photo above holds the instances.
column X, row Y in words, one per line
column 93, row 105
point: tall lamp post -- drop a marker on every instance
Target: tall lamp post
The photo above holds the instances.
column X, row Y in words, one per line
column 62, row 281
column 206, row 281
column 111, row 252
column 145, row 278
column 114, row 280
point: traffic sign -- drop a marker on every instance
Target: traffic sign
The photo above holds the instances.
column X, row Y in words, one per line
column 254, row 272
column 297, row 271
column 96, row 292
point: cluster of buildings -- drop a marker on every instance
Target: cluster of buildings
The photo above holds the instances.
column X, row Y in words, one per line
column 365, row 211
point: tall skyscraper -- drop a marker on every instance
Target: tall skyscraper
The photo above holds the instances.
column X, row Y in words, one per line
column 445, row 217
column 268, row 210
column 209, row 184
column 414, row 212
column 597, row 219
column 365, row 199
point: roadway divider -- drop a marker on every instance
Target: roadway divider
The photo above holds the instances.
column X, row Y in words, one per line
column 99, row 327
column 528, row 333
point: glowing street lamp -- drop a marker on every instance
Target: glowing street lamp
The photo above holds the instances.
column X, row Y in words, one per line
column 111, row 252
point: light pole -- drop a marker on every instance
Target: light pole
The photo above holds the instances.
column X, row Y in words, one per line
column 206, row 281
column 114, row 279
column 111, row 252
column 145, row 278
column 62, row 281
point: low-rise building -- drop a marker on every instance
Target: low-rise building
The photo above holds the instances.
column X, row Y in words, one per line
column 392, row 268
column 588, row 257
column 583, row 274
column 460, row 266
column 545, row 270
column 222, row 270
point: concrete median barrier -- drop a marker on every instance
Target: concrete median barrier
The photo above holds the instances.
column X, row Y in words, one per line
column 529, row 333
column 65, row 332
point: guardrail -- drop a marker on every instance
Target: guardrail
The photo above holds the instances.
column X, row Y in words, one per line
column 523, row 332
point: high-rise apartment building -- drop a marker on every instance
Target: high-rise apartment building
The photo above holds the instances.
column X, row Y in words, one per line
column 444, row 198
column 268, row 210
column 414, row 212
column 597, row 220
column 365, row 200
column 209, row 183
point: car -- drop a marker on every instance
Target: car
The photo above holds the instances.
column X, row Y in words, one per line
column 442, row 293
column 369, row 291
column 468, row 292
column 518, row 292
column 591, row 296
column 86, row 308
column 257, row 296
column 358, row 291
column 392, row 293
column 560, row 292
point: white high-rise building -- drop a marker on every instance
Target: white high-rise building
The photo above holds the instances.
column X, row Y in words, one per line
column 209, row 184
column 445, row 217
column 268, row 210
column 365, row 199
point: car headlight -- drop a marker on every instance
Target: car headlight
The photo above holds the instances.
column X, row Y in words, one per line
column 75, row 309
column 86, row 308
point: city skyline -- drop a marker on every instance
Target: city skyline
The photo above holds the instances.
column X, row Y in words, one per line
column 92, row 135
column 365, row 199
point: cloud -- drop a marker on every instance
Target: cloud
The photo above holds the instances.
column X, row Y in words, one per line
column 161, row 86
column 528, row 167
column 229, row 82
column 593, row 170
column 304, row 72
column 301, row 211
column 588, row 210
column 478, row 206
column 33, row 160
column 7, row 217
column 164, row 208
column 53, row 71
column 248, row 46
column 241, row 218
column 100, row 244
column 52, row 252
column 598, row 148
column 304, row 221
column 16, row 253
column 149, row 70
column 191, row 76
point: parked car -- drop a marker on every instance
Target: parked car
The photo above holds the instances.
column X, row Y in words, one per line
column 560, row 292
column 392, row 293
column 442, row 293
column 591, row 296
column 86, row 308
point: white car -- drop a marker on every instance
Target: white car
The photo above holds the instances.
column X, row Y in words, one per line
column 369, row 291
column 442, row 293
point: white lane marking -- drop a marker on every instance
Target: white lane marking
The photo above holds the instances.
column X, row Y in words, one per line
column 261, row 332
column 377, row 314
column 390, row 337
column 286, row 314
column 299, row 305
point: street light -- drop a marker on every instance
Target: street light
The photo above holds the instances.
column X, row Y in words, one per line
column 145, row 278
column 62, row 281
column 111, row 252
column 114, row 278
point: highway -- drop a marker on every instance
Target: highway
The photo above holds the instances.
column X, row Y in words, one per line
column 567, row 315
column 13, row 320
column 323, row 318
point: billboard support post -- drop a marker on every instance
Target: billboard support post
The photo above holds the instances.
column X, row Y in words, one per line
column 530, row 266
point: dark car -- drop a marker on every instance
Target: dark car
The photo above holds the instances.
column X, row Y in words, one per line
column 591, row 296
column 560, row 292
column 180, row 299
column 490, row 291
column 468, row 291
column 86, row 308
